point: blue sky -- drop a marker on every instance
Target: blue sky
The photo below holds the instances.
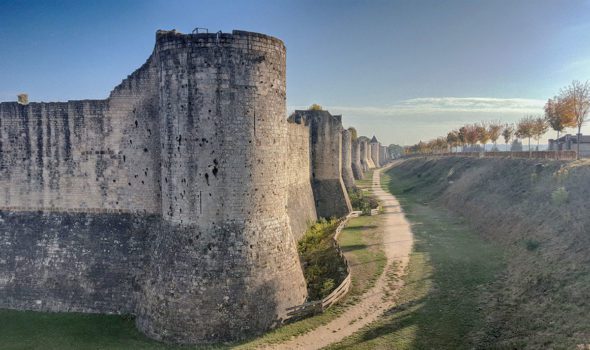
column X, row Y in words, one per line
column 403, row 70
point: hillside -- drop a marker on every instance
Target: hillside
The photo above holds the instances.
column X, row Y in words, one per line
column 537, row 213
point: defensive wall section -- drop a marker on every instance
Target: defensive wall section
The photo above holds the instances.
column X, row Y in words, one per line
column 357, row 165
column 167, row 200
column 375, row 148
column 347, row 176
column 178, row 199
column 331, row 197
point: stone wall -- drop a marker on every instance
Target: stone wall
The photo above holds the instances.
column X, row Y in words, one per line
column 82, row 262
column 375, row 148
column 365, row 148
column 357, row 166
column 331, row 197
column 300, row 203
column 196, row 141
column 90, row 155
column 347, row 175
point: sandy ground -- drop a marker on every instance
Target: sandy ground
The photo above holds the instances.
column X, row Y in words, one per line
column 397, row 245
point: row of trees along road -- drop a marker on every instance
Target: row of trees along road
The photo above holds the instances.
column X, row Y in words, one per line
column 568, row 109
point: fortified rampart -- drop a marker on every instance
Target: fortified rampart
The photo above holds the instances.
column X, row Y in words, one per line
column 365, row 149
column 331, row 198
column 347, row 176
column 357, row 166
column 375, row 148
column 178, row 199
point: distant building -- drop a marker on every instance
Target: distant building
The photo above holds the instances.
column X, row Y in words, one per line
column 568, row 143
column 516, row 146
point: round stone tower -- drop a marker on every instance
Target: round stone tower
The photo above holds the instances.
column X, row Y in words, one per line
column 357, row 168
column 347, row 176
column 224, row 264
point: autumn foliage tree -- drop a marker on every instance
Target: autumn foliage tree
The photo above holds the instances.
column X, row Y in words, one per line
column 507, row 133
column 577, row 94
column 494, row 131
column 525, row 129
column 483, row 135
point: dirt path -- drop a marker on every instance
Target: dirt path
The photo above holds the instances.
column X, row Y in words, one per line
column 397, row 245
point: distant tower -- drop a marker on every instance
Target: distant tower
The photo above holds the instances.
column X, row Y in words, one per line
column 375, row 148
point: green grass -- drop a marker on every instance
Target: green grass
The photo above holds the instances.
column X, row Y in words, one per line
column 37, row 330
column 450, row 267
column 367, row 180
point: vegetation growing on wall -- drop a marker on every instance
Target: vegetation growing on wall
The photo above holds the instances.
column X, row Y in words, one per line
column 323, row 267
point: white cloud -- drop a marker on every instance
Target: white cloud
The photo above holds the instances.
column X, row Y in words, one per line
column 444, row 104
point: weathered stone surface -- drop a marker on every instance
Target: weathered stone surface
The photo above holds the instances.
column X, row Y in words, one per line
column 357, row 166
column 331, row 197
column 365, row 149
column 168, row 200
column 375, row 147
column 300, row 203
column 347, row 176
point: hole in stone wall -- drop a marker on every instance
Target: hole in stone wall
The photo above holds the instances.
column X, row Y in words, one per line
column 136, row 124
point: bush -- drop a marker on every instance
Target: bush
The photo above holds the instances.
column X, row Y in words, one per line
column 532, row 245
column 323, row 267
column 559, row 196
column 360, row 201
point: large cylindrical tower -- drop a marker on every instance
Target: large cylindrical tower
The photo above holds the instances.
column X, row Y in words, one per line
column 224, row 264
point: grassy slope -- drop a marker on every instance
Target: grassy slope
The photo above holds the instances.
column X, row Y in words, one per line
column 539, row 300
column 448, row 271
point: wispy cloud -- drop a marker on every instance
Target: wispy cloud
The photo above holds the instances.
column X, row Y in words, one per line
column 445, row 105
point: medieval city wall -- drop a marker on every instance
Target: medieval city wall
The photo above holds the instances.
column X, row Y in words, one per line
column 347, row 176
column 357, row 166
column 375, row 148
column 300, row 204
column 179, row 199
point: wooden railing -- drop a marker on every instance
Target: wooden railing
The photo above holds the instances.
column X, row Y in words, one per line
column 318, row 306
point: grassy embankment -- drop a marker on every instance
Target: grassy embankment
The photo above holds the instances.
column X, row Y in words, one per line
column 360, row 241
column 468, row 216
column 448, row 269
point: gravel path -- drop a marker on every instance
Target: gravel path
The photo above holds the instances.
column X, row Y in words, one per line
column 397, row 245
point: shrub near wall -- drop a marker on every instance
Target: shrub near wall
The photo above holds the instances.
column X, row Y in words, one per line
column 323, row 267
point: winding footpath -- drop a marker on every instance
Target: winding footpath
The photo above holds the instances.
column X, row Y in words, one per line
column 397, row 245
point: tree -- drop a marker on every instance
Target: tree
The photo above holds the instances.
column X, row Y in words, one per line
column 525, row 129
column 395, row 151
column 578, row 94
column 471, row 134
column 508, row 133
column 494, row 131
column 315, row 107
column 540, row 127
column 453, row 139
column 353, row 133
column 482, row 134
column 461, row 135
column 559, row 115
